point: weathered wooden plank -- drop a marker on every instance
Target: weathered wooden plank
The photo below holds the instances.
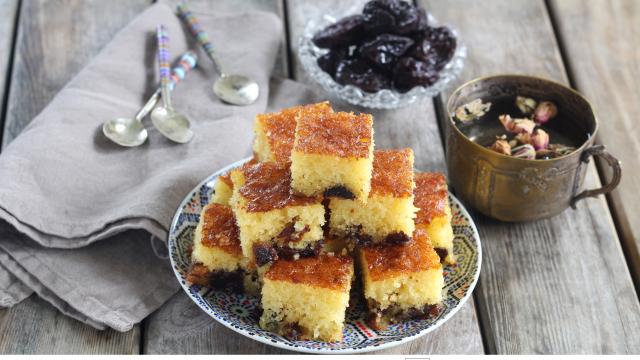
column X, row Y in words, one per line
column 553, row 286
column 414, row 126
column 600, row 40
column 281, row 67
column 9, row 15
column 35, row 327
column 55, row 40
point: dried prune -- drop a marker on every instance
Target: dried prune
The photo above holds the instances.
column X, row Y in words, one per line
column 443, row 42
column 409, row 72
column 344, row 32
column 423, row 20
column 328, row 61
column 358, row 73
column 394, row 16
column 384, row 50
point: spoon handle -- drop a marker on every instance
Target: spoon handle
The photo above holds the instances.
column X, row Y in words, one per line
column 163, row 62
column 198, row 32
column 188, row 61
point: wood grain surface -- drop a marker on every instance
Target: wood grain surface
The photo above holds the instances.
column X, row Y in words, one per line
column 55, row 40
column 552, row 286
column 8, row 18
column 601, row 40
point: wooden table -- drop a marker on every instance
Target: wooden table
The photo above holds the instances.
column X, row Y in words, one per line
column 564, row 285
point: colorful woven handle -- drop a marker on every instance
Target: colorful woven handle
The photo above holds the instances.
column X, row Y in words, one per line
column 196, row 30
column 187, row 62
column 163, row 55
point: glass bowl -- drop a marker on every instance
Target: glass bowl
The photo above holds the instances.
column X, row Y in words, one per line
column 383, row 99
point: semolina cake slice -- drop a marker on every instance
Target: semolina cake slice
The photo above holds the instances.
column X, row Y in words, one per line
column 332, row 154
column 401, row 281
column 275, row 132
column 307, row 298
column 223, row 187
column 432, row 198
column 216, row 256
column 389, row 212
column 274, row 222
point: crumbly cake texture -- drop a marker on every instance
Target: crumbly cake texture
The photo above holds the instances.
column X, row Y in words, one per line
column 332, row 154
column 401, row 281
column 275, row 132
column 216, row 256
column 222, row 190
column 273, row 222
column 307, row 298
column 389, row 212
column 432, row 198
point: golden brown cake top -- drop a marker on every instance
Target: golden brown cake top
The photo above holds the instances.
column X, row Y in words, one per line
column 268, row 186
column 280, row 128
column 340, row 134
column 384, row 261
column 226, row 178
column 219, row 229
column 392, row 172
column 430, row 196
column 330, row 272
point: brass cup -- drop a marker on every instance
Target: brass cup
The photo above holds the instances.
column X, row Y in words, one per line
column 513, row 189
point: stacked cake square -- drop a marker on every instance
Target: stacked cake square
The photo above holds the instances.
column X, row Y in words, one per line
column 315, row 199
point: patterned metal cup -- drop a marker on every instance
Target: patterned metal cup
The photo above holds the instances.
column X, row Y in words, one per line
column 514, row 189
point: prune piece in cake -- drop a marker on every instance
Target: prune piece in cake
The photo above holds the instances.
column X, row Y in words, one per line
column 384, row 50
column 409, row 72
column 431, row 196
column 275, row 132
column 307, row 299
column 359, row 73
column 344, row 32
column 387, row 216
column 394, row 16
column 332, row 150
column 402, row 281
column 269, row 215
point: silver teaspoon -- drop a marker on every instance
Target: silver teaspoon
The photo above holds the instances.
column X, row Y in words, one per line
column 130, row 132
column 170, row 123
column 233, row 89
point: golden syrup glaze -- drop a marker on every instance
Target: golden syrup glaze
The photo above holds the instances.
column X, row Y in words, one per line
column 219, row 229
column 385, row 261
column 430, row 196
column 268, row 186
column 392, row 173
column 280, row 128
column 226, row 178
column 325, row 271
column 341, row 134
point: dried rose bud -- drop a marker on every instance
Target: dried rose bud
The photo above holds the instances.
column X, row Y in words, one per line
column 525, row 104
column 523, row 138
column 501, row 146
column 525, row 151
column 516, row 126
column 540, row 139
column 545, row 111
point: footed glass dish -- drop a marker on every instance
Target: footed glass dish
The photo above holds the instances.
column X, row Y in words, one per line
column 383, row 99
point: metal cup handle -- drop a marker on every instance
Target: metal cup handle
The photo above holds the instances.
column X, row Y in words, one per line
column 599, row 150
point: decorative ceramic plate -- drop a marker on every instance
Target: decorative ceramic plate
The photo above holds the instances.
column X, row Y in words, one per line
column 239, row 312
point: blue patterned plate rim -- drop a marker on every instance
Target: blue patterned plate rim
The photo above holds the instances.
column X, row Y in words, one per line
column 280, row 344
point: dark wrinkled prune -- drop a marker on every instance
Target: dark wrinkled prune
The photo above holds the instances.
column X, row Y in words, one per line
column 443, row 42
column 394, row 16
column 359, row 73
column 409, row 72
column 423, row 20
column 384, row 50
column 329, row 61
column 344, row 32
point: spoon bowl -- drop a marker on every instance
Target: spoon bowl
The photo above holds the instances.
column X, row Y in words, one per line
column 236, row 89
column 171, row 124
column 125, row 132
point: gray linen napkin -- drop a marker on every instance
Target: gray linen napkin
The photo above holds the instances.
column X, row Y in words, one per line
column 64, row 186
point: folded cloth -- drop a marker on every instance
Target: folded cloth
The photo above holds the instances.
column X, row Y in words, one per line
column 77, row 211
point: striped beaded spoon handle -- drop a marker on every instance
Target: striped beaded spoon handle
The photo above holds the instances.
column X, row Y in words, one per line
column 233, row 89
column 169, row 123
